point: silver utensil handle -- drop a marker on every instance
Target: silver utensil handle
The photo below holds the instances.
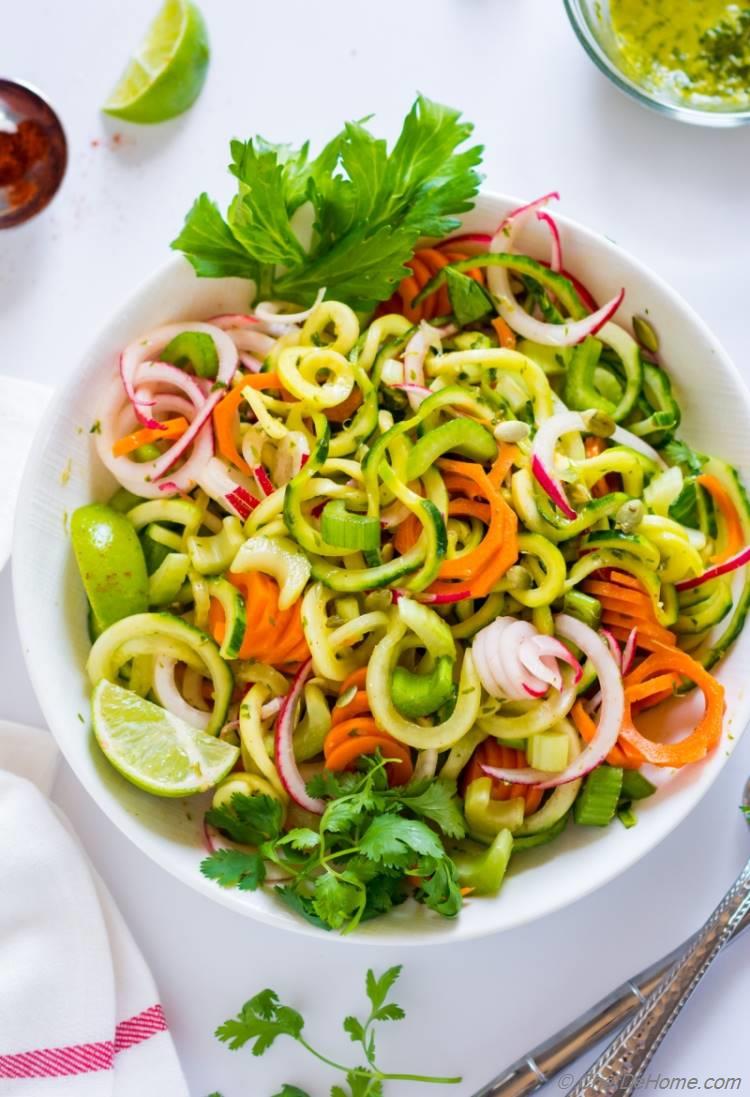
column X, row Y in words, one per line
column 553, row 1055
column 619, row 1069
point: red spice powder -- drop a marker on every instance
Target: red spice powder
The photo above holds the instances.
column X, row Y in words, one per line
column 19, row 151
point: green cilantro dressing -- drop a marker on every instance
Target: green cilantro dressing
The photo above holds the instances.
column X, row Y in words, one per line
column 696, row 50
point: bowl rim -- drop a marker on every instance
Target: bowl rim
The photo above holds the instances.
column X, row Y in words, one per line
column 369, row 935
column 711, row 119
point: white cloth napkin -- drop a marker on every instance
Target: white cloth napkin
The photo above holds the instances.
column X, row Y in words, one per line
column 79, row 1012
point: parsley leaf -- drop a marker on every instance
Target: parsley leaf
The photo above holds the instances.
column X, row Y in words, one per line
column 251, row 820
column 211, row 246
column 234, row 868
column 368, row 208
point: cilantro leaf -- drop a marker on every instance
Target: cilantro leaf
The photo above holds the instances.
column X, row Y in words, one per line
column 680, row 453
column 248, row 819
column 234, row 868
column 300, row 904
column 330, row 785
column 378, row 989
column 301, row 838
column 335, row 899
column 291, row 1091
column 209, row 244
column 441, row 891
column 436, row 801
column 261, row 1021
column 355, row 1029
column 394, row 840
column 362, row 1084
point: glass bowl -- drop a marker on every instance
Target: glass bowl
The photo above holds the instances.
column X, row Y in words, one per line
column 591, row 22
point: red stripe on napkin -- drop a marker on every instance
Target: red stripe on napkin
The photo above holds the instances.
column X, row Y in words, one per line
column 140, row 1028
column 60, row 1062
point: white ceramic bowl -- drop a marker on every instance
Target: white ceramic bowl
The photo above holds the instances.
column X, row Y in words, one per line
column 64, row 473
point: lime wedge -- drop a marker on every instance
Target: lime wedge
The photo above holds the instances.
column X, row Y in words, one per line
column 168, row 70
column 154, row 749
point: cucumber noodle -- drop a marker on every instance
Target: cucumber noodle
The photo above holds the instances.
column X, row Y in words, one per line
column 364, row 469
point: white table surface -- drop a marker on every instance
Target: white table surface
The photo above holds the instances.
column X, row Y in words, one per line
column 675, row 195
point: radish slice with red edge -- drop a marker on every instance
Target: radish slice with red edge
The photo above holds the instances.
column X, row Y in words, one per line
column 566, row 334
column 614, row 647
column 555, row 262
column 224, row 489
column 286, row 763
column 148, row 348
column 610, row 716
column 628, row 654
column 543, row 456
column 540, row 655
column 737, row 561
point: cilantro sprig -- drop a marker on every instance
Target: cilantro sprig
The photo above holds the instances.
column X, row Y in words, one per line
column 264, row 1018
column 371, row 838
column 347, row 219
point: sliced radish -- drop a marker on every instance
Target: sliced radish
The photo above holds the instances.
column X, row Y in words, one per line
column 543, row 456
column 737, row 561
column 286, row 763
column 610, row 717
column 547, row 219
column 566, row 334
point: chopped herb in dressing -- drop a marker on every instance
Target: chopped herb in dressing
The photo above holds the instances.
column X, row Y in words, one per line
column 696, row 50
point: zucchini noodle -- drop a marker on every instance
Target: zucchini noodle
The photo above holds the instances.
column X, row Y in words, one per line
column 443, row 553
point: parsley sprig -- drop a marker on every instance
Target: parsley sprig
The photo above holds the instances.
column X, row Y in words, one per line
column 354, row 867
column 264, row 1018
column 368, row 209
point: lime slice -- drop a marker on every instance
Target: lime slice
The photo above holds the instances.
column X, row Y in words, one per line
column 111, row 562
column 168, row 70
column 154, row 749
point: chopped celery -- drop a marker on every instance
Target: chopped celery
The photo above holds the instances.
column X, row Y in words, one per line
column 635, row 786
column 422, row 694
column 484, row 871
column 340, row 527
column 627, row 816
column 548, row 751
column 194, row 349
column 597, row 801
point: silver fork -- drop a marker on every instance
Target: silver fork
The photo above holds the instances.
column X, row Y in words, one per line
column 653, row 999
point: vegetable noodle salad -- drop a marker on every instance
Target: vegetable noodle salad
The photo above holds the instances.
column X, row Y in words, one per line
column 397, row 570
